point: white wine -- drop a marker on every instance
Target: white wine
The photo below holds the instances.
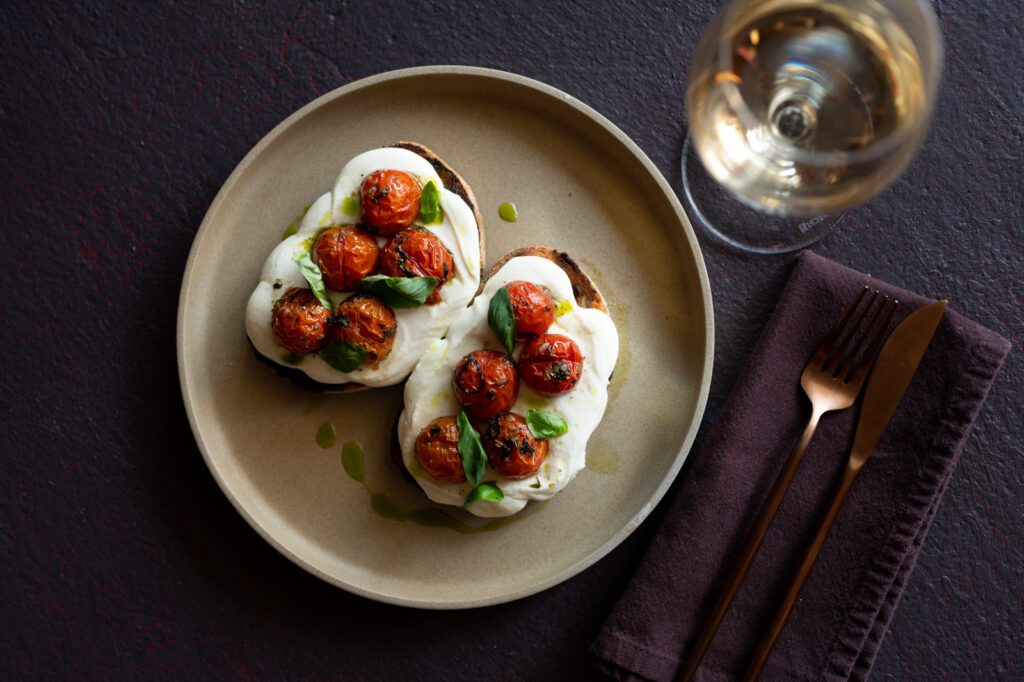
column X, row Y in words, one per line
column 800, row 108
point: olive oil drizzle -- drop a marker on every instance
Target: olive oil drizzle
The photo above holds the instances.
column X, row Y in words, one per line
column 619, row 314
column 385, row 505
column 326, row 436
column 293, row 227
column 350, row 206
column 601, row 461
column 352, row 461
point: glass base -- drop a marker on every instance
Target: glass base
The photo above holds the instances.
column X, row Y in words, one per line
column 734, row 224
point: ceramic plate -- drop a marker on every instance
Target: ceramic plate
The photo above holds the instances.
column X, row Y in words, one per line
column 581, row 186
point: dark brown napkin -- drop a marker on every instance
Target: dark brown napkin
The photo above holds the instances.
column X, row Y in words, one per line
column 849, row 599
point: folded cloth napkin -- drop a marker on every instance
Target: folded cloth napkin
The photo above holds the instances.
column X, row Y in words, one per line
column 838, row 623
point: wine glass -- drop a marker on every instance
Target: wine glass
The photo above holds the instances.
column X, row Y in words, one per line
column 801, row 109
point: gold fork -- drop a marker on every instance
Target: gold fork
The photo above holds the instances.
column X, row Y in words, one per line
column 832, row 380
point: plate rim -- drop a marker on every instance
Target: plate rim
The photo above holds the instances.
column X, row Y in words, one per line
column 709, row 332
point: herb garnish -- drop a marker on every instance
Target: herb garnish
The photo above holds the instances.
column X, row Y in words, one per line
column 471, row 450
column 315, row 278
column 343, row 356
column 489, row 492
column 501, row 319
column 398, row 292
column 430, row 203
column 545, row 423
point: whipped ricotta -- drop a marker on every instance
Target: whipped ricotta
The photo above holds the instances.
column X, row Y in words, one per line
column 418, row 327
column 428, row 393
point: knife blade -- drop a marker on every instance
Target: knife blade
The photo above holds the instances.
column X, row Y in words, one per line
column 893, row 371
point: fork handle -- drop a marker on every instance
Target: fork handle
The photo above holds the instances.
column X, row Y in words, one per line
column 750, row 547
column 764, row 648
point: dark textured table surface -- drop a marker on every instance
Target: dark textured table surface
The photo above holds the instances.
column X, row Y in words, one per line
column 120, row 121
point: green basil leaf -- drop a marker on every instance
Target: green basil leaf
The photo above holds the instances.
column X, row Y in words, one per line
column 430, row 203
column 315, row 278
column 343, row 356
column 398, row 292
column 545, row 424
column 489, row 492
column 471, row 450
column 502, row 320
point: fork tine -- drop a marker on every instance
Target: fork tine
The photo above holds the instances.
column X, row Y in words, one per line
column 837, row 328
column 857, row 374
column 859, row 336
column 836, row 358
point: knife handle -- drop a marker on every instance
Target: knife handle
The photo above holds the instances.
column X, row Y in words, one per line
column 764, row 648
column 750, row 546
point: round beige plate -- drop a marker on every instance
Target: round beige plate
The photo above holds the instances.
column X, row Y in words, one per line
column 581, row 186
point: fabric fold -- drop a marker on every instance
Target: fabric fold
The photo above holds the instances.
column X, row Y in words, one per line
column 838, row 624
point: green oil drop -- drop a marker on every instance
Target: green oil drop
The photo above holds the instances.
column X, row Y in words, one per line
column 352, row 460
column 325, row 435
column 508, row 212
column 386, row 506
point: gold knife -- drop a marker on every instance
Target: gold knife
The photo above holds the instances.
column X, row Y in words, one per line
column 889, row 380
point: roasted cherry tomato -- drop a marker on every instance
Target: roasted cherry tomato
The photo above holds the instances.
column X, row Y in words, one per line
column 417, row 252
column 299, row 321
column 437, row 449
column 366, row 322
column 551, row 364
column 391, row 200
column 512, row 449
column 532, row 307
column 345, row 255
column 486, row 383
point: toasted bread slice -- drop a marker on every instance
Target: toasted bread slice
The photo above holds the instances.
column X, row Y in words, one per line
column 453, row 182
column 583, row 288
column 586, row 292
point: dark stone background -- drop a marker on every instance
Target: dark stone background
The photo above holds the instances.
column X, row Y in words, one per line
column 119, row 123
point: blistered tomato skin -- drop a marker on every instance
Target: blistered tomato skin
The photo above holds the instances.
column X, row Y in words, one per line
column 300, row 322
column 345, row 255
column 512, row 449
column 551, row 364
column 486, row 384
column 417, row 252
column 532, row 308
column 365, row 321
column 437, row 449
column 390, row 200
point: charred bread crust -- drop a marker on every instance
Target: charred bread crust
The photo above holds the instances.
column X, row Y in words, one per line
column 583, row 288
column 453, row 182
column 302, row 380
